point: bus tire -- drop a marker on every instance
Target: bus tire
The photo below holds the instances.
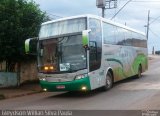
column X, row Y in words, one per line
column 139, row 74
column 109, row 82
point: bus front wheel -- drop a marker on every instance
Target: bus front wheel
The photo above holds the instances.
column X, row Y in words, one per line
column 108, row 82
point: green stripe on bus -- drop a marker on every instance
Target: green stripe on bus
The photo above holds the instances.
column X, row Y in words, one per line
column 115, row 60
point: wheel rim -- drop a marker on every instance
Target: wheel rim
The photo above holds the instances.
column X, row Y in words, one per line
column 108, row 81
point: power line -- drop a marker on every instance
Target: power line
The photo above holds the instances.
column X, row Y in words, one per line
column 142, row 1
column 127, row 3
column 154, row 20
column 53, row 15
column 145, row 1
column 121, row 9
column 155, row 34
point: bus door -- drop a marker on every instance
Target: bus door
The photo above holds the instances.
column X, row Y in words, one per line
column 96, row 72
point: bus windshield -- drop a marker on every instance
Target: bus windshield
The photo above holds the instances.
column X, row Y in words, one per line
column 63, row 54
column 62, row 27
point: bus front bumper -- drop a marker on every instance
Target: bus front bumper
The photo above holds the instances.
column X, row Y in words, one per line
column 76, row 85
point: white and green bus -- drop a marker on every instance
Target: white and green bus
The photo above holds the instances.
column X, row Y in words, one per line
column 86, row 52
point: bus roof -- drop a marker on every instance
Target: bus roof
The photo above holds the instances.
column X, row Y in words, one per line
column 97, row 17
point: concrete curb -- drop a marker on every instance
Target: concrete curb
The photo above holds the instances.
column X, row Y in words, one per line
column 21, row 95
column 2, row 97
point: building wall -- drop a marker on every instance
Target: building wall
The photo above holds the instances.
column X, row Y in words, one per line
column 28, row 71
column 2, row 66
column 8, row 79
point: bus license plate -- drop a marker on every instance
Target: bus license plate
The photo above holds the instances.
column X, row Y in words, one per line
column 60, row 87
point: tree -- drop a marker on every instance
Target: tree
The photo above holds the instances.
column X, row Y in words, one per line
column 19, row 20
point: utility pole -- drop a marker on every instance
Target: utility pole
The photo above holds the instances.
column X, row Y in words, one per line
column 148, row 24
column 153, row 50
column 106, row 4
column 103, row 12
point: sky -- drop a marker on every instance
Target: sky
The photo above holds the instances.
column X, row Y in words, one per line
column 134, row 14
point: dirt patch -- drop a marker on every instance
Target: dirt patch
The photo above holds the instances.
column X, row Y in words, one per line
column 2, row 96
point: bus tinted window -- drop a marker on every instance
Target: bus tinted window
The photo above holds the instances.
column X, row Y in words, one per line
column 109, row 34
column 128, row 38
column 120, row 36
column 139, row 40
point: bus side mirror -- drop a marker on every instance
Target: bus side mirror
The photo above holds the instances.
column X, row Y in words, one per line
column 85, row 38
column 31, row 46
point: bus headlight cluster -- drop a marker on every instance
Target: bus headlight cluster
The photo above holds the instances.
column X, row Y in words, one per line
column 42, row 79
column 81, row 76
column 48, row 68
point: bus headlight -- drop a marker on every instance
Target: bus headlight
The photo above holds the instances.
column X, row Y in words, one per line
column 81, row 76
column 84, row 88
column 42, row 79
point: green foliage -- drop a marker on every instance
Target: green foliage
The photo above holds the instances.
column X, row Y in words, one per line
column 19, row 20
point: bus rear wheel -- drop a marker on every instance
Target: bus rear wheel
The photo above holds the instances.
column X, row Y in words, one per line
column 109, row 82
column 139, row 75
